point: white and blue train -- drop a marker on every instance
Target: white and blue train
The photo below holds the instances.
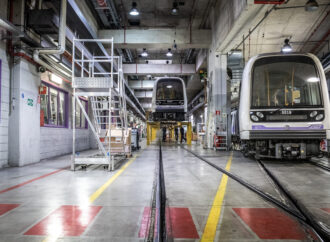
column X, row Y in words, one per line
column 284, row 109
column 169, row 99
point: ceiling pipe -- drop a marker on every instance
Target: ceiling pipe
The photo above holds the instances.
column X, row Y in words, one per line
column 10, row 27
column 61, row 43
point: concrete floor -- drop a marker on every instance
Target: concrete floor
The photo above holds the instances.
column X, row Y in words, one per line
column 97, row 205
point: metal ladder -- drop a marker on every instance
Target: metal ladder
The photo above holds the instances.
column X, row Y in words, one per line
column 94, row 77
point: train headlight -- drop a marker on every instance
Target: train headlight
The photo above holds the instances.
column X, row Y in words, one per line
column 313, row 114
column 260, row 114
column 319, row 117
column 254, row 118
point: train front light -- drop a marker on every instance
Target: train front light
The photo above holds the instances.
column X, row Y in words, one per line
column 254, row 118
column 260, row 114
column 313, row 114
column 319, row 117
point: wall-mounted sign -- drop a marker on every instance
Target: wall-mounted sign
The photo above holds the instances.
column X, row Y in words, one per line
column 217, row 112
column 268, row 1
column 30, row 102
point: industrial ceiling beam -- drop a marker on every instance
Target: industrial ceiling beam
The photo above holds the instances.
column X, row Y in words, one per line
column 158, row 38
column 165, row 69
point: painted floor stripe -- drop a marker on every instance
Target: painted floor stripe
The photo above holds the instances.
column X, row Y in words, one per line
column 67, row 220
column 99, row 191
column 32, row 180
column 53, row 237
column 5, row 208
column 215, row 212
column 270, row 223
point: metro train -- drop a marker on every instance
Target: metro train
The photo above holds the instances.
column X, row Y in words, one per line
column 169, row 99
column 284, row 109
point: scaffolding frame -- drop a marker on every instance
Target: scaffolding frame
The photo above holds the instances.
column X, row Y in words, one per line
column 101, row 80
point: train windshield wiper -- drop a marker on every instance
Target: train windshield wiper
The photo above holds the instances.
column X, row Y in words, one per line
column 276, row 110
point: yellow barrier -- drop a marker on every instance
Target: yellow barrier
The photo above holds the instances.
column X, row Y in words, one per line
column 154, row 127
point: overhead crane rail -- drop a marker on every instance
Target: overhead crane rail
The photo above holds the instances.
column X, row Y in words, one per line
column 298, row 211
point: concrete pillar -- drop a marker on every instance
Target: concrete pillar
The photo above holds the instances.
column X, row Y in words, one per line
column 218, row 112
column 24, row 121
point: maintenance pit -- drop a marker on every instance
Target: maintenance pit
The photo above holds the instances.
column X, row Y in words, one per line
column 202, row 203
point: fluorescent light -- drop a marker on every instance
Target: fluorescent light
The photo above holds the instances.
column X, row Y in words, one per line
column 313, row 79
column 169, row 86
column 64, row 66
column 134, row 11
column 286, row 47
column 53, row 58
column 56, row 79
column 169, row 53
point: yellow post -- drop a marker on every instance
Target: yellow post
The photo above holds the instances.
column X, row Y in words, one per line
column 148, row 133
column 189, row 133
column 154, row 132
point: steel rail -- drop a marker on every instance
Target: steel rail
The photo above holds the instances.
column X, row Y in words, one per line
column 326, row 168
column 158, row 229
column 322, row 232
column 254, row 189
column 301, row 215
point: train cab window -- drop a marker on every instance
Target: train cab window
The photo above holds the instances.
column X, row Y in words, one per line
column 169, row 89
column 285, row 81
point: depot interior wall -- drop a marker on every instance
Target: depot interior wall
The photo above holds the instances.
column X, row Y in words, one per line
column 28, row 142
column 58, row 141
column 4, row 108
column 24, row 120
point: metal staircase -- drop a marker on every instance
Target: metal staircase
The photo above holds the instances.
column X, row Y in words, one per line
column 101, row 80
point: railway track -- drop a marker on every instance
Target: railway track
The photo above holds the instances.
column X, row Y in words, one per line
column 159, row 230
column 296, row 209
column 320, row 165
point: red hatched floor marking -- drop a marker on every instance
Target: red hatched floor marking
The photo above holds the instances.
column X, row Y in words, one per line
column 29, row 181
column 270, row 223
column 181, row 223
column 5, row 208
column 67, row 220
column 145, row 223
column 326, row 209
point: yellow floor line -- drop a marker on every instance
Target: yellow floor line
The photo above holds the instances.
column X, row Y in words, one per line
column 99, row 191
column 215, row 212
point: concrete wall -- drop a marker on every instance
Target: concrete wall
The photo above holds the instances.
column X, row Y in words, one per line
column 58, row 141
column 4, row 107
column 24, row 126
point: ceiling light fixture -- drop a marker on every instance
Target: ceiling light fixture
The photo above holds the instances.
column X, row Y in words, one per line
column 175, row 9
column 169, row 53
column 144, row 53
column 286, row 47
column 311, row 5
column 134, row 11
column 56, row 79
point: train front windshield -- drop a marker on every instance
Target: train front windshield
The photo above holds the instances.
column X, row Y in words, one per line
column 169, row 89
column 285, row 81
